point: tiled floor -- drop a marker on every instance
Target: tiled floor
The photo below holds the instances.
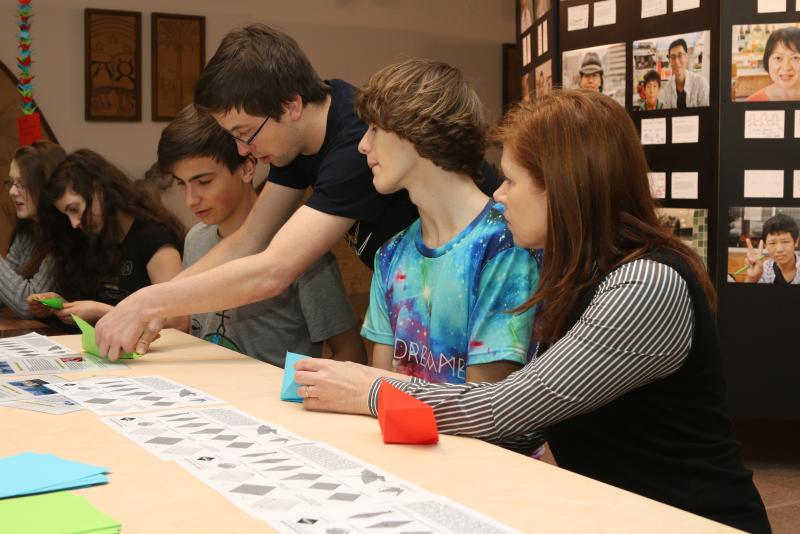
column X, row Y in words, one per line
column 772, row 451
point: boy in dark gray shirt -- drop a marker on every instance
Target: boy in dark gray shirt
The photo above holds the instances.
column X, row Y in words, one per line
column 216, row 183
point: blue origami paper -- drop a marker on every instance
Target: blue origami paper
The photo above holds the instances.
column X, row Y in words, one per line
column 289, row 386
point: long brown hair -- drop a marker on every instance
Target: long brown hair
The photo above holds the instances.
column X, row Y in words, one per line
column 36, row 163
column 583, row 149
column 80, row 262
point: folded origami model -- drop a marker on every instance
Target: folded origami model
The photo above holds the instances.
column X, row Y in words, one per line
column 289, row 386
column 404, row 419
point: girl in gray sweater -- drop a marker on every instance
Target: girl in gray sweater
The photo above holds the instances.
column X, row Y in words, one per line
column 26, row 268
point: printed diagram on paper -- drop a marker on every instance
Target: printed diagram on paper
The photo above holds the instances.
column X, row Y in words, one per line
column 118, row 395
column 293, row 484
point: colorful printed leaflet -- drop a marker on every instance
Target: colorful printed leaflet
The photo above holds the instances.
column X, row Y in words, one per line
column 404, row 419
column 89, row 343
column 29, row 473
column 54, row 513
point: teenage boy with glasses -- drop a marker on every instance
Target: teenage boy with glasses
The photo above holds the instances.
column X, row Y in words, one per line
column 261, row 88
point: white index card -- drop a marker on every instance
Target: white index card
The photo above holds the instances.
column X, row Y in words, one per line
column 686, row 129
column 605, row 13
column 654, row 131
column 578, row 18
column 684, row 185
column 760, row 124
column 653, row 8
column 658, row 184
column 763, row 183
column 771, row 6
column 684, row 5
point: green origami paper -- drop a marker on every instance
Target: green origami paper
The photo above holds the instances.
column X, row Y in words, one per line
column 56, row 303
column 89, row 342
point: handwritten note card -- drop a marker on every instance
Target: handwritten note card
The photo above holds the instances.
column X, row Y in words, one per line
column 771, row 6
column 685, row 129
column 764, row 124
column 684, row 5
column 763, row 184
column 653, row 8
column 654, row 131
column 578, row 18
column 796, row 188
column 684, row 185
column 605, row 12
column 658, row 184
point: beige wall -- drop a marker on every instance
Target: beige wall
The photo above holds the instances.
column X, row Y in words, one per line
column 344, row 38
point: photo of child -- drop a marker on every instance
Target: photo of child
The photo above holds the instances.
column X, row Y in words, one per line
column 763, row 245
column 671, row 72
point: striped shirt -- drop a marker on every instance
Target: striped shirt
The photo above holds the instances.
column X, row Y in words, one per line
column 637, row 329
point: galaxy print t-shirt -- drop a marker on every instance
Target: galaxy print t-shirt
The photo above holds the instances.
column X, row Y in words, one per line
column 445, row 309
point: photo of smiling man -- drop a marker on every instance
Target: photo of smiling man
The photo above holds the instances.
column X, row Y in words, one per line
column 678, row 65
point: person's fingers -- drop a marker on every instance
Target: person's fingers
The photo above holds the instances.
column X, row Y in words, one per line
column 761, row 247
column 310, row 364
column 150, row 334
column 306, row 377
column 113, row 353
column 749, row 243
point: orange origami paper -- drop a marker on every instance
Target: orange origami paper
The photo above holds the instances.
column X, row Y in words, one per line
column 404, row 419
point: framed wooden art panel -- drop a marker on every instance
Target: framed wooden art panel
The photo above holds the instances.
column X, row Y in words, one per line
column 113, row 47
column 178, row 56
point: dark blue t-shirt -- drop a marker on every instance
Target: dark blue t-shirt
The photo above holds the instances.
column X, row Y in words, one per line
column 342, row 181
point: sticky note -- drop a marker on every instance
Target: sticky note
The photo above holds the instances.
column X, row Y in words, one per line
column 56, row 303
column 404, row 419
column 89, row 343
column 288, row 385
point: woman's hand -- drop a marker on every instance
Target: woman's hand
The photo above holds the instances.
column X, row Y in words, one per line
column 39, row 310
column 89, row 310
column 334, row 386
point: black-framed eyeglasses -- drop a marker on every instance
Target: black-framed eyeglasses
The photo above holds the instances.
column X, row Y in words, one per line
column 249, row 141
column 8, row 184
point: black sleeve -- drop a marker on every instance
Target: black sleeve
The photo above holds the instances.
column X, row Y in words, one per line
column 151, row 236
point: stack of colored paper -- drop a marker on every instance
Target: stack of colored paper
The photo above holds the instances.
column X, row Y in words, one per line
column 54, row 513
column 29, row 473
column 404, row 419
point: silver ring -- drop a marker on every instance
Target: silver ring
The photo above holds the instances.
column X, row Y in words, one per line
column 305, row 392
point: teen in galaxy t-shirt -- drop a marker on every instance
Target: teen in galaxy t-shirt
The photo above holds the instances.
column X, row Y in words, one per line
column 445, row 309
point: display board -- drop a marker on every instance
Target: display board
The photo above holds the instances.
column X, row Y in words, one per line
column 723, row 152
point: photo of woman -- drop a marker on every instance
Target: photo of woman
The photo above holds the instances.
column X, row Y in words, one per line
column 766, row 63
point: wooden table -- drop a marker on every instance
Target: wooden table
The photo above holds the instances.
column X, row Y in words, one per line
column 149, row 495
column 11, row 325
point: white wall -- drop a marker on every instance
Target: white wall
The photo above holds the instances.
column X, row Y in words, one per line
column 347, row 39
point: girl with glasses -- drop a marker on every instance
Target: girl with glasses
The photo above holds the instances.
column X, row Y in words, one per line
column 26, row 270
